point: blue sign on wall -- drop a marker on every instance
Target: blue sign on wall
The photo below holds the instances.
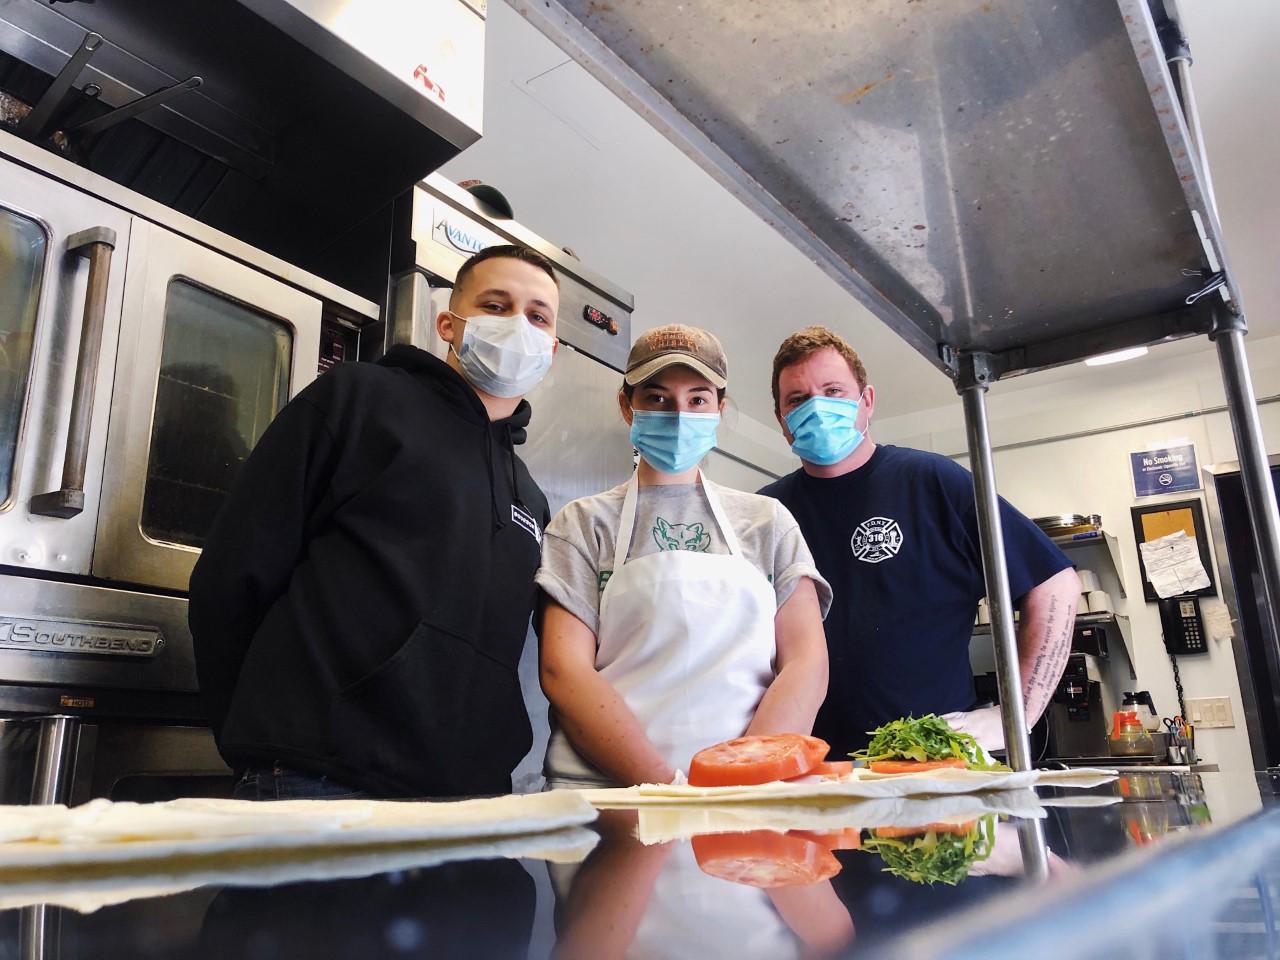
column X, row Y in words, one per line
column 1165, row 470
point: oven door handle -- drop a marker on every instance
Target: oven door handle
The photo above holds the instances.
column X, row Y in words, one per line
column 95, row 244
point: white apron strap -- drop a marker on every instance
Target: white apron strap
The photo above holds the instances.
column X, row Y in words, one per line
column 627, row 522
column 626, row 525
column 717, row 511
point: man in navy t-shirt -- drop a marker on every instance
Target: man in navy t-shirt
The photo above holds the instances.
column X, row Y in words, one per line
column 895, row 533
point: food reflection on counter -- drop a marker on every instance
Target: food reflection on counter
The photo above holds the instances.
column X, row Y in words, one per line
column 1155, row 805
column 940, row 852
column 765, row 859
column 778, row 892
column 935, row 852
column 476, row 909
column 745, row 895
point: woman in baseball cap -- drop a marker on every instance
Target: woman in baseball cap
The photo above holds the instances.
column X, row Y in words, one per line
column 677, row 613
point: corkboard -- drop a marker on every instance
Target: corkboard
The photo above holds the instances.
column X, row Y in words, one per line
column 1151, row 522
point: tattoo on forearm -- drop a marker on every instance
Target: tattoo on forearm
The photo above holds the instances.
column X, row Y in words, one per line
column 1051, row 656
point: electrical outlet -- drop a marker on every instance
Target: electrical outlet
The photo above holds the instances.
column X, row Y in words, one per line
column 1210, row 712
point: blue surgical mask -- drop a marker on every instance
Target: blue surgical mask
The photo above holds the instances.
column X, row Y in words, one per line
column 504, row 356
column 825, row 429
column 673, row 442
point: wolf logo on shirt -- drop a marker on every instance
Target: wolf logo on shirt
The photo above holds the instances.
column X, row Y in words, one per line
column 876, row 539
column 681, row 536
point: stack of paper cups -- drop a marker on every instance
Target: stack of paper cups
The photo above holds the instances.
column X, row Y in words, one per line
column 1099, row 601
column 1088, row 580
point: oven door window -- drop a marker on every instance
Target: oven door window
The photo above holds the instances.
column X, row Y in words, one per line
column 22, row 252
column 224, row 374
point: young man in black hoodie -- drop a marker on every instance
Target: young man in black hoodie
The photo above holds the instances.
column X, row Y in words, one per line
column 362, row 601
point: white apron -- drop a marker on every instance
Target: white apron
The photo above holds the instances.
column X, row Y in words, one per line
column 687, row 641
column 692, row 915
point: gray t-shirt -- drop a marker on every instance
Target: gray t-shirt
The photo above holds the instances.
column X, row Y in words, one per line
column 578, row 545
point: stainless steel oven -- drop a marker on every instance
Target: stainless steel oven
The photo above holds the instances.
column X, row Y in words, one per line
column 116, row 471
column 141, row 357
column 155, row 313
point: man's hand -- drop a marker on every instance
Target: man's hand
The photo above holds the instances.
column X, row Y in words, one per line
column 1005, row 859
column 983, row 724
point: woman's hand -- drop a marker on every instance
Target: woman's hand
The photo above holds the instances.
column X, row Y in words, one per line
column 791, row 703
column 597, row 721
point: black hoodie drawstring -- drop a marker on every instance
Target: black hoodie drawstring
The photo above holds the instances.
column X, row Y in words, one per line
column 515, row 485
column 498, row 523
column 452, row 388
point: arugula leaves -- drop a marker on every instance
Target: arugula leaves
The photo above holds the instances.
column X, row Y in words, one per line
column 925, row 738
column 935, row 856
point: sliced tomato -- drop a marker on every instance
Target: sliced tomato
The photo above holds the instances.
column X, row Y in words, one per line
column 756, row 759
column 959, row 829
column 762, row 858
column 833, row 768
column 849, row 838
column 915, row 766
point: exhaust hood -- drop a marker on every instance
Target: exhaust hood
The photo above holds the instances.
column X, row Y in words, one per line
column 285, row 123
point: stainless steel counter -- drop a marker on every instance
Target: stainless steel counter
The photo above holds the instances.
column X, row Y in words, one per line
column 1155, row 863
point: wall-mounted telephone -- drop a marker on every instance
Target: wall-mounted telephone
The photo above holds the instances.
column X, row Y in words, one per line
column 1183, row 628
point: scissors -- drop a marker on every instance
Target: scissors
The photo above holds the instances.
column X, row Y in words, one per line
column 1176, row 726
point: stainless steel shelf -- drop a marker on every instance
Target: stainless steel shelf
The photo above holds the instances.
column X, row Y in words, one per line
column 1083, row 619
column 1004, row 177
column 1103, row 539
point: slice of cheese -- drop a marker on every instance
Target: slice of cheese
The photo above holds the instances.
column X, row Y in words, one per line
column 660, row 823
column 862, row 784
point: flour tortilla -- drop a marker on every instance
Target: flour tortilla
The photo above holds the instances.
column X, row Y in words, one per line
column 101, row 821
column 101, row 832
column 860, row 784
column 89, row 887
column 27, row 823
column 1085, row 800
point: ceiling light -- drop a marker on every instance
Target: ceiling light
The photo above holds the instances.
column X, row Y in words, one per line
column 1116, row 357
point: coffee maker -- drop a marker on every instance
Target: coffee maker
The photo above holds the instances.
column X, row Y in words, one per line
column 1081, row 710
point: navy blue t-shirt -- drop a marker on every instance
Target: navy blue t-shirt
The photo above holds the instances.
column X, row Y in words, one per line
column 897, row 539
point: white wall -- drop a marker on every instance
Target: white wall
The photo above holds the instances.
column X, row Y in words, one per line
column 759, row 443
column 1091, row 474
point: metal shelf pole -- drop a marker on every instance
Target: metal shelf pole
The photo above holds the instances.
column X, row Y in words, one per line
column 973, row 391
column 972, row 387
column 1255, row 474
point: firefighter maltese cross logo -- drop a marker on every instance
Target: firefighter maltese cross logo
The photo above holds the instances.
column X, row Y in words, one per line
column 876, row 539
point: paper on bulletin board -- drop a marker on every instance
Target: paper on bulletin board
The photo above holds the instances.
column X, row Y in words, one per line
column 1173, row 564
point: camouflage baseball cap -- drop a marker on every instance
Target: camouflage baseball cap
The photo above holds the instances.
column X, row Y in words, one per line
column 673, row 344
